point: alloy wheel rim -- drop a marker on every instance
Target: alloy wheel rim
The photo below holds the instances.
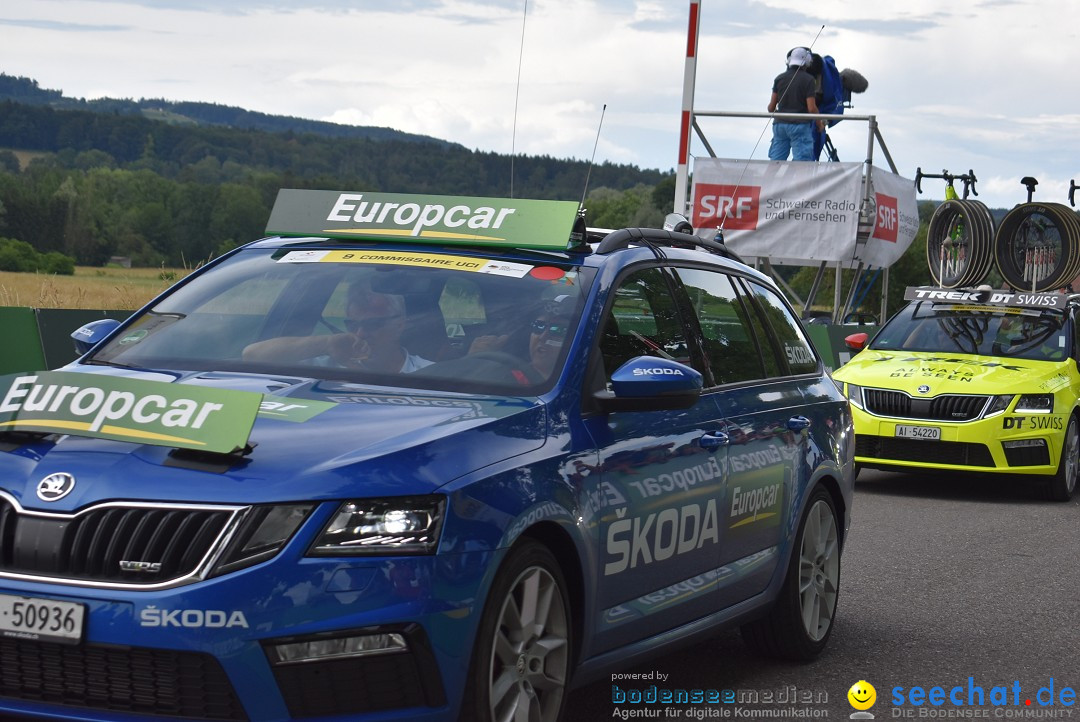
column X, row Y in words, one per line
column 529, row 656
column 819, row 571
column 1072, row 456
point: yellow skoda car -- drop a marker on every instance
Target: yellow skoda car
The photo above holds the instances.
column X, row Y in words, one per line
column 978, row 381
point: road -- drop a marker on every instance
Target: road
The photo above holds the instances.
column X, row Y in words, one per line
column 943, row 579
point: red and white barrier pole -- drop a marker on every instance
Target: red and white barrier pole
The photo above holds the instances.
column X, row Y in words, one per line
column 682, row 172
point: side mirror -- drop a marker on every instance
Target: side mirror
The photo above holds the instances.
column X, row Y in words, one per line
column 856, row 341
column 90, row 335
column 648, row 383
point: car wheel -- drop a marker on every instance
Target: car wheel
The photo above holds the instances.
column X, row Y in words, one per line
column 1062, row 486
column 798, row 625
column 521, row 663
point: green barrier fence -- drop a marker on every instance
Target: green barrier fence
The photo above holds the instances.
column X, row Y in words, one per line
column 40, row 338
column 829, row 341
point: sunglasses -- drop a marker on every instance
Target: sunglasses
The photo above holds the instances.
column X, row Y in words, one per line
column 553, row 328
column 367, row 325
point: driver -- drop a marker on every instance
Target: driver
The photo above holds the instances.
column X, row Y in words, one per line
column 372, row 339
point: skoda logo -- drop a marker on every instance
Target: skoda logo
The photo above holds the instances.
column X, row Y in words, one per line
column 924, row 389
column 55, row 486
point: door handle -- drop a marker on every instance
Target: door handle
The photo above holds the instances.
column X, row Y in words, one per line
column 798, row 423
column 714, row 440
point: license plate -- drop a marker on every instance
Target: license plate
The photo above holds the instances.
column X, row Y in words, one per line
column 931, row 433
column 41, row 620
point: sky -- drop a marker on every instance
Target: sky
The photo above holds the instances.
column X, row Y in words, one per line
column 984, row 85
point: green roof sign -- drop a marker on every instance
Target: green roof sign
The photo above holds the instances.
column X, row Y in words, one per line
column 454, row 220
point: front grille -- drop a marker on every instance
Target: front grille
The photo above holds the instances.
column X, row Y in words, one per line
column 957, row 453
column 119, row 679
column 89, row 545
column 948, row 407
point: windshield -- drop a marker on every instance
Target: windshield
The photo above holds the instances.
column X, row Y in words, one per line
column 452, row 320
column 1012, row 332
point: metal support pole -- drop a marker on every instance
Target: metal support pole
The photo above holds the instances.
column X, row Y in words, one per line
column 884, row 295
column 682, row 200
column 836, row 291
column 814, row 288
column 851, row 291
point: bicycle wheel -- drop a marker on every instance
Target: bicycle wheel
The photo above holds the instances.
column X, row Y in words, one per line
column 959, row 243
column 1037, row 247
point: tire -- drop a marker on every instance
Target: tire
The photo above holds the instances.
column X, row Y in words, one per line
column 959, row 243
column 1062, row 486
column 1037, row 247
column 799, row 624
column 522, row 660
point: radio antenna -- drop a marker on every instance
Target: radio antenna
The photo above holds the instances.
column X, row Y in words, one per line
column 517, row 93
column 595, row 143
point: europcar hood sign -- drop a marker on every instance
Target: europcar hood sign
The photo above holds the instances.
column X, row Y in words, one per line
column 148, row 412
column 517, row 223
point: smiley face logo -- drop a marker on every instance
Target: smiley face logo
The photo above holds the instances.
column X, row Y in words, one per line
column 862, row 695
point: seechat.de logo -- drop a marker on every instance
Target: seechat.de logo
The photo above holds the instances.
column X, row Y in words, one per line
column 734, row 207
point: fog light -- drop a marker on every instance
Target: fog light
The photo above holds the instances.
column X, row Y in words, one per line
column 1024, row 444
column 319, row 649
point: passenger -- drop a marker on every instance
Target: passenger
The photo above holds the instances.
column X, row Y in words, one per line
column 374, row 323
column 547, row 333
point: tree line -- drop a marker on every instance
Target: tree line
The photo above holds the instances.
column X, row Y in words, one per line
column 116, row 183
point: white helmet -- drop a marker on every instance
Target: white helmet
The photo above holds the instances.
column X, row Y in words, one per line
column 801, row 57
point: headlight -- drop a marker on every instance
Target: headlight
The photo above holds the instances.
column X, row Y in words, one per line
column 264, row 530
column 998, row 404
column 401, row 525
column 854, row 394
column 1035, row 404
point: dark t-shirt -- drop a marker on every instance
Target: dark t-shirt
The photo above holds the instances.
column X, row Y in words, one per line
column 793, row 87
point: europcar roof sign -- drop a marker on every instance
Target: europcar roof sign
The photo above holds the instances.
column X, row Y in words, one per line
column 517, row 223
column 148, row 412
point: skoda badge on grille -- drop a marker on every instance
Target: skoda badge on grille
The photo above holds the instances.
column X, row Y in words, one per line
column 924, row 389
column 55, row 486
column 152, row 567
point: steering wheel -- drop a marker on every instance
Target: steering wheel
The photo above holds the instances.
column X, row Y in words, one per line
column 520, row 369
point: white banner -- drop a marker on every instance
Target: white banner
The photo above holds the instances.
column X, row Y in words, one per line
column 896, row 219
column 802, row 213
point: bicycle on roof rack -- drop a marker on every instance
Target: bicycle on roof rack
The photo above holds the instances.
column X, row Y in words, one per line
column 959, row 241
column 1037, row 246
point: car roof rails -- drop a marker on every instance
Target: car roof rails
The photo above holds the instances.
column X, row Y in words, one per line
column 676, row 233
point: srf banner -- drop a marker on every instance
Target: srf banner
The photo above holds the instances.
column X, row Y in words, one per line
column 800, row 213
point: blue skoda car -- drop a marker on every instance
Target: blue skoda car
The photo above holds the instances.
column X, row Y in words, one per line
column 417, row 458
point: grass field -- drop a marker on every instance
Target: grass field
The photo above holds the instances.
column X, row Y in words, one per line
column 107, row 289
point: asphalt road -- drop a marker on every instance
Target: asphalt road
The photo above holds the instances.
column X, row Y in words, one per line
column 943, row 579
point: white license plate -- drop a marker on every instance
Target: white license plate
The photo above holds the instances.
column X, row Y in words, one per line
column 41, row 620
column 931, row 433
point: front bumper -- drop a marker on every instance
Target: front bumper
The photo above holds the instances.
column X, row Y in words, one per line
column 1002, row 444
column 204, row 651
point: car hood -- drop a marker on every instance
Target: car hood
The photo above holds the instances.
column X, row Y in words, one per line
column 951, row 373
column 364, row 441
